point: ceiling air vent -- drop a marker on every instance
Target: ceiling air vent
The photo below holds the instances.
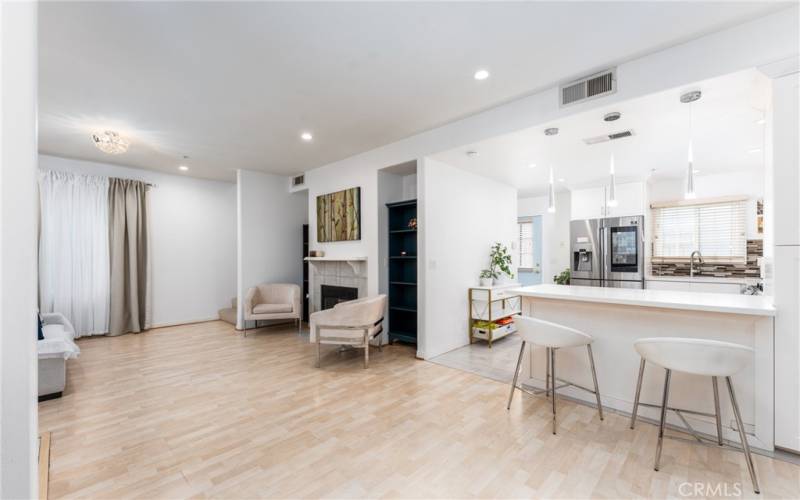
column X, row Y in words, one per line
column 608, row 137
column 592, row 86
column 298, row 180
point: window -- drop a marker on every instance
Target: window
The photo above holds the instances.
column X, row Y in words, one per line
column 525, row 257
column 717, row 228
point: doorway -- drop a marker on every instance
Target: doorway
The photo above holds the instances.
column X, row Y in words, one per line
column 530, row 250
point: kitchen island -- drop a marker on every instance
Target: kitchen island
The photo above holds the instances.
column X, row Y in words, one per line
column 617, row 317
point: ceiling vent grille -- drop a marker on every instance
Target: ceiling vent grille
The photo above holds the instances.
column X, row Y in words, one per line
column 298, row 180
column 593, row 86
column 608, row 137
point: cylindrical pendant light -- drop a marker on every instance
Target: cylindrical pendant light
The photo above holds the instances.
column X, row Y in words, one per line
column 551, row 195
column 689, row 98
column 612, row 188
column 690, row 194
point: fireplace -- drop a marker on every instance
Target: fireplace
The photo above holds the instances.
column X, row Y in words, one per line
column 332, row 295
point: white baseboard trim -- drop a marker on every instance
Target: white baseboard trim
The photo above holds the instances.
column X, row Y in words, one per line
column 185, row 322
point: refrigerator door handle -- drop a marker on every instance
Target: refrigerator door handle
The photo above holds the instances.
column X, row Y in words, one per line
column 604, row 253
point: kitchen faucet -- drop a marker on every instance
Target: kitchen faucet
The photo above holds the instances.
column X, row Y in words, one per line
column 691, row 262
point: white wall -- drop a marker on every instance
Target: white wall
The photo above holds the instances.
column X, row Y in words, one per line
column 193, row 239
column 750, row 184
column 555, row 231
column 18, row 362
column 270, row 232
column 463, row 214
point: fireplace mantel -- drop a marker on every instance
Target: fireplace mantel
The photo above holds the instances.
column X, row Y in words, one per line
column 355, row 262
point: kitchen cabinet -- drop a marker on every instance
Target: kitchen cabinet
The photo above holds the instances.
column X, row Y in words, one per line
column 592, row 203
column 587, row 203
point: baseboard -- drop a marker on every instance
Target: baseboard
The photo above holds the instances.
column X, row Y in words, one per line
column 44, row 464
column 185, row 322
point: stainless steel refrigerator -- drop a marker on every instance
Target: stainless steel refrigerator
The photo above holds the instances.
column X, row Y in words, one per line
column 607, row 252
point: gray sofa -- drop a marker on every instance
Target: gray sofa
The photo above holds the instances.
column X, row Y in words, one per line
column 55, row 349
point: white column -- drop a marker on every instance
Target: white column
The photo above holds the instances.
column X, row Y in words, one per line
column 783, row 277
column 18, row 202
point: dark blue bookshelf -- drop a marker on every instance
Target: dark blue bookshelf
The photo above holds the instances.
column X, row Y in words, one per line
column 402, row 272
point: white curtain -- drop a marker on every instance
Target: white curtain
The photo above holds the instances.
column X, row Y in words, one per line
column 73, row 250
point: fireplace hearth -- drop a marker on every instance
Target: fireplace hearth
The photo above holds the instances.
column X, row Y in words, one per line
column 331, row 295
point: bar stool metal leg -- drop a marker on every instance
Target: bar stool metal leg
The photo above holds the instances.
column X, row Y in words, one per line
column 547, row 376
column 743, row 436
column 638, row 392
column 716, row 410
column 553, row 383
column 594, row 377
column 664, row 402
column 516, row 374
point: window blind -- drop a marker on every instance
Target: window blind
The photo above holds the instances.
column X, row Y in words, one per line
column 525, row 244
column 717, row 230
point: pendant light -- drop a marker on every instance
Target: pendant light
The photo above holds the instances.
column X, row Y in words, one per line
column 551, row 195
column 612, row 188
column 689, row 98
column 551, row 192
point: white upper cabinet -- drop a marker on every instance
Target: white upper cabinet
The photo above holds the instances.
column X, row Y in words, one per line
column 587, row 203
column 592, row 203
column 630, row 200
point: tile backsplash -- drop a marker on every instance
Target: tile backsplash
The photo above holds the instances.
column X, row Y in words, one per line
column 755, row 249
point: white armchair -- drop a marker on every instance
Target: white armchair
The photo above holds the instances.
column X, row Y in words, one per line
column 275, row 301
column 54, row 350
column 354, row 323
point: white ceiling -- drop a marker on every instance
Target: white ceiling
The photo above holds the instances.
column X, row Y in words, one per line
column 724, row 129
column 232, row 85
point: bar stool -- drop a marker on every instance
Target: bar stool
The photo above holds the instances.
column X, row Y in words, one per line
column 708, row 358
column 552, row 336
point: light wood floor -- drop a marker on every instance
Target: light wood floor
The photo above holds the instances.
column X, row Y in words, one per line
column 198, row 411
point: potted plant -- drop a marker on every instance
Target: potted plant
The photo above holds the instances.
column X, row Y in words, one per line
column 563, row 278
column 499, row 262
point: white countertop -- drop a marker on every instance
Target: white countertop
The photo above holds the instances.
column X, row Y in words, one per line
column 665, row 299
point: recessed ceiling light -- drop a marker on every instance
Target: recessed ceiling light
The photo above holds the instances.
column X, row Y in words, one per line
column 761, row 122
column 306, row 136
column 472, row 154
column 696, row 171
column 183, row 168
column 754, row 150
column 551, row 131
column 561, row 179
column 481, row 74
column 532, row 165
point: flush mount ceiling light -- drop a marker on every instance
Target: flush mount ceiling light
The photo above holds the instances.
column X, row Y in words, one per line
column 761, row 121
column 306, row 136
column 612, row 117
column 481, row 74
column 183, row 168
column 689, row 98
column 754, row 150
column 532, row 165
column 110, row 142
